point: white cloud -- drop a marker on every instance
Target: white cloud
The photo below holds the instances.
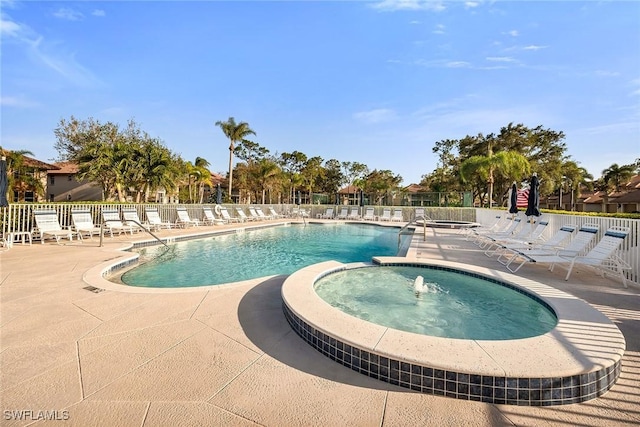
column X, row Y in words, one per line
column 471, row 4
column 534, row 47
column 442, row 63
column 457, row 64
column 48, row 54
column 500, row 59
column 68, row 14
column 375, row 116
column 605, row 73
column 9, row 28
column 439, row 29
column 393, row 5
column 99, row 12
column 513, row 33
column 17, row 102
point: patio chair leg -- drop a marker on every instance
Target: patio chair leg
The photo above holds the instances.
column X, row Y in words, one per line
column 570, row 269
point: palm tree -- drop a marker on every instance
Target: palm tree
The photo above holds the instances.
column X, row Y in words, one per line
column 615, row 175
column 507, row 163
column 160, row 168
column 21, row 179
column 265, row 172
column 575, row 177
column 236, row 132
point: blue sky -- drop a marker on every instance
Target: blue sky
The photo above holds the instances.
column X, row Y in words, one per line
column 375, row 82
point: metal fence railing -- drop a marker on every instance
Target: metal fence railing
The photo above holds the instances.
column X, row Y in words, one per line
column 18, row 218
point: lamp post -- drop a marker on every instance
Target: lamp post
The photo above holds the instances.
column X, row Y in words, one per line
column 560, row 198
column 560, row 207
column 571, row 188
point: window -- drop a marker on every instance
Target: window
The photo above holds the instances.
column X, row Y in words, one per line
column 29, row 196
column 69, row 177
column 52, row 180
column 51, row 197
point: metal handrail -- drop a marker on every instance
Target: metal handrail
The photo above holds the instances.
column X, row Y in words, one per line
column 424, row 219
column 129, row 220
column 404, row 227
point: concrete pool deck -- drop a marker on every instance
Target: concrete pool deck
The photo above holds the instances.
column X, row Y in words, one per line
column 227, row 356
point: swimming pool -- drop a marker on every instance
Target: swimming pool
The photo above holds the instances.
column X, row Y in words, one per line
column 243, row 255
column 448, row 304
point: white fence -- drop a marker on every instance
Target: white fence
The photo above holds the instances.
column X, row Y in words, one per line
column 19, row 218
column 629, row 251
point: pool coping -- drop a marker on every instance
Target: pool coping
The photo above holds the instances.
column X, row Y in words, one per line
column 96, row 277
column 577, row 360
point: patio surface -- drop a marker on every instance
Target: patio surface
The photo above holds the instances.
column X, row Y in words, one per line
column 227, row 356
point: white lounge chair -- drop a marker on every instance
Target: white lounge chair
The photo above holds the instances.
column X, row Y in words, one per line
column 243, row 216
column 224, row 213
column 262, row 215
column 83, row 223
column 369, row 214
column 48, row 225
column 483, row 239
column 526, row 236
column 555, row 243
column 602, row 257
column 155, row 221
column 184, row 220
column 397, row 216
column 354, row 214
column 112, row 222
column 576, row 247
column 344, row 213
column 500, row 224
column 386, row 215
column 254, row 214
column 210, row 218
column 328, row 214
column 419, row 213
column 131, row 218
column 274, row 214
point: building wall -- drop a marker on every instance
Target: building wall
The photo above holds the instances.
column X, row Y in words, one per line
column 65, row 188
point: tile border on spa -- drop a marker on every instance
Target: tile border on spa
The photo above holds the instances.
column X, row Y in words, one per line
column 486, row 371
column 482, row 388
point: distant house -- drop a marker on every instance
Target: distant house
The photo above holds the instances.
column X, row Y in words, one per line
column 63, row 185
column 627, row 200
column 349, row 195
column 28, row 178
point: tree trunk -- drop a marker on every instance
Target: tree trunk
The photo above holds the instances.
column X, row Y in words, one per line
column 230, row 169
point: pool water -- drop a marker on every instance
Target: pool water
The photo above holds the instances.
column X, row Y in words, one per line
column 250, row 254
column 452, row 305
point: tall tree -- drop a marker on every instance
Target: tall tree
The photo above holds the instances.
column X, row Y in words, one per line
column 236, row 132
column 20, row 177
column 265, row 173
column 311, row 173
column 574, row 178
column 379, row 184
column 507, row 163
column 332, row 177
column 117, row 159
column 292, row 165
column 615, row 175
